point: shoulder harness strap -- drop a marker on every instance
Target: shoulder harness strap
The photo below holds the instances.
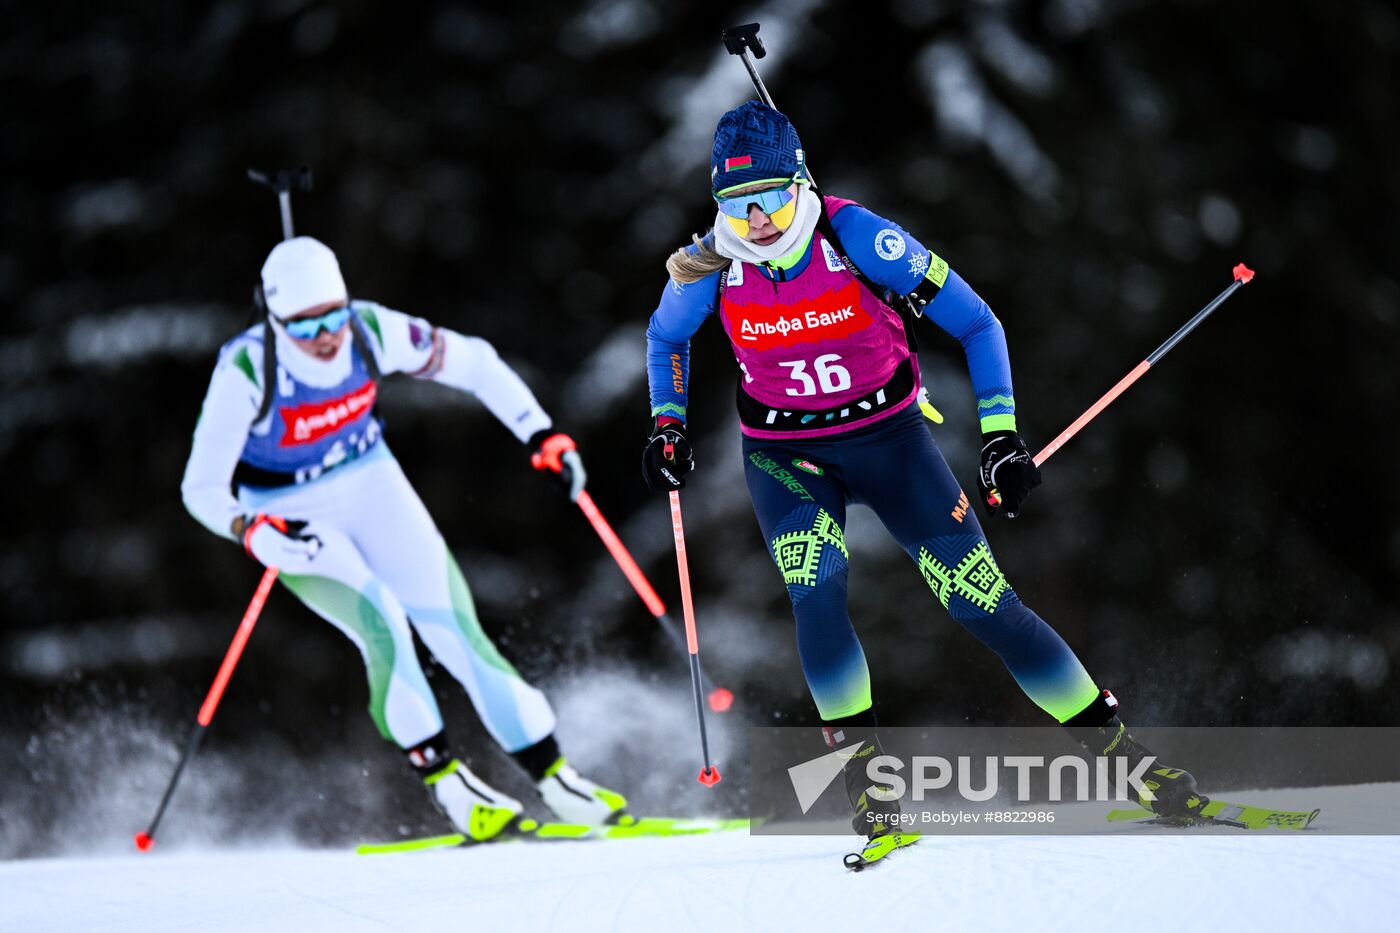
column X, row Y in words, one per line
column 363, row 345
column 269, row 371
column 723, row 281
column 901, row 304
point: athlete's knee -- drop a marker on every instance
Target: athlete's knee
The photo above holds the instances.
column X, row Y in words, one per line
column 964, row 576
column 809, row 548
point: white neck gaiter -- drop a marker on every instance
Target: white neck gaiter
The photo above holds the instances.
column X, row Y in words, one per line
column 731, row 245
column 310, row 370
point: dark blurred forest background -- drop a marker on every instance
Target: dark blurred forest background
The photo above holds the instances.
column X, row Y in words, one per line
column 1220, row 547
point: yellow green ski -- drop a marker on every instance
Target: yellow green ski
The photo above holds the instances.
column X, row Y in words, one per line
column 877, row 849
column 1221, row 813
column 527, row 829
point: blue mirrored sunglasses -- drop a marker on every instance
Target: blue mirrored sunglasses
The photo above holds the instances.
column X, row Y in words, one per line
column 307, row 328
column 770, row 201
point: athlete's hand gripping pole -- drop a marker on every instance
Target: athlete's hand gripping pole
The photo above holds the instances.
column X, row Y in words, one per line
column 709, row 775
column 146, row 838
column 1243, row 274
column 719, row 698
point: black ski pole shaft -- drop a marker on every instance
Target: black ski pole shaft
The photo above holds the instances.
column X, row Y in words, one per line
column 147, row 837
column 284, row 202
column 283, row 182
column 740, row 41
column 1242, row 274
column 709, row 769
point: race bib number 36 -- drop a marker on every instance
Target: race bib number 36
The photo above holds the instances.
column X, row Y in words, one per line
column 830, row 375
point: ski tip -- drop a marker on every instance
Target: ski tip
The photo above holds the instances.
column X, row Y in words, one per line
column 721, row 699
column 411, row 845
column 709, row 776
column 1243, row 273
column 877, row 849
column 144, row 841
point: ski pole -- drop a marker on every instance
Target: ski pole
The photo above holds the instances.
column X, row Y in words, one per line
column 709, row 775
column 283, row 182
column 720, row 699
column 1243, row 274
column 147, row 837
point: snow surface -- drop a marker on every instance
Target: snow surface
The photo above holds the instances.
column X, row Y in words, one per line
column 1131, row 878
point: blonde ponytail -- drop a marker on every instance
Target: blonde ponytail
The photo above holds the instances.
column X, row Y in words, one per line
column 686, row 266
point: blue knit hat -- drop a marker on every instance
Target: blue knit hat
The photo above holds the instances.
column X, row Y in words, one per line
column 753, row 142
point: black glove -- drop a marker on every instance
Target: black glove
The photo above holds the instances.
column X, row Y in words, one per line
column 663, row 469
column 1008, row 474
column 554, row 454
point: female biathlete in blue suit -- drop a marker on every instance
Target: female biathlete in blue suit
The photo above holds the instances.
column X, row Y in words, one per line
column 807, row 287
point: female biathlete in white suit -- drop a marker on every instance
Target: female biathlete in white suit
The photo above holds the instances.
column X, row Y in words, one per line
column 320, row 497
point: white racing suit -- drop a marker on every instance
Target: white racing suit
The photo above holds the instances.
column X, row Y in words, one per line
column 384, row 567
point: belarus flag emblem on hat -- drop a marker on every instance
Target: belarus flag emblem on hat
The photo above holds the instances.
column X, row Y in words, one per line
column 733, row 162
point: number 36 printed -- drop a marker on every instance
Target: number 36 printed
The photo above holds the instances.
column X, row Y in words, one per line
column 831, row 376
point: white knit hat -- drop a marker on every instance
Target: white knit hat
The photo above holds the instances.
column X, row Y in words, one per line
column 301, row 273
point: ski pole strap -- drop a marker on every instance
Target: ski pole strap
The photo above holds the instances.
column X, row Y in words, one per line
column 258, row 521
column 550, row 451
